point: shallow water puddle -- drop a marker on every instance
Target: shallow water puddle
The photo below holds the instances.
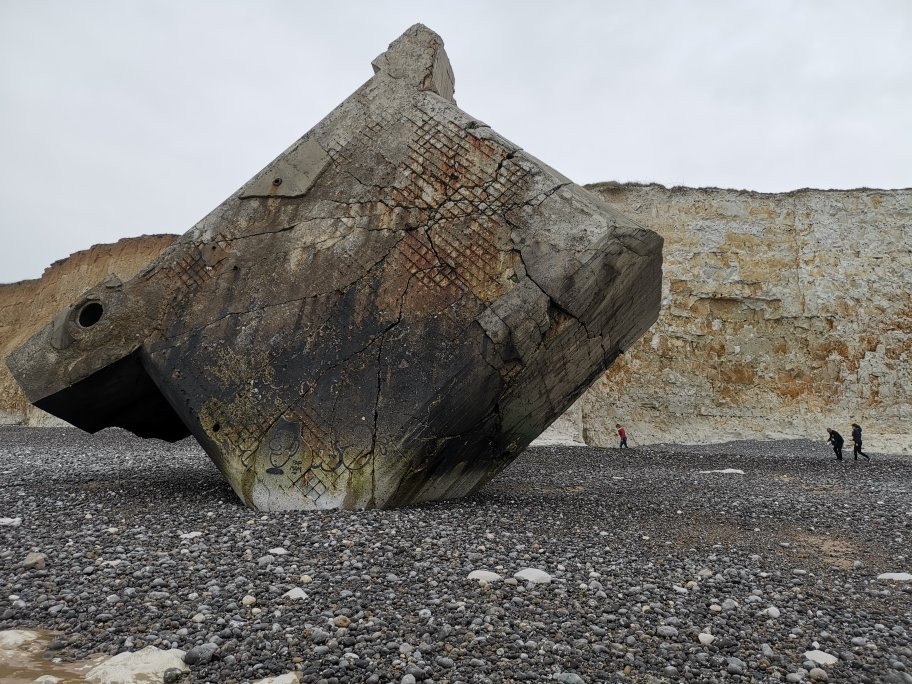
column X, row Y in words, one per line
column 22, row 659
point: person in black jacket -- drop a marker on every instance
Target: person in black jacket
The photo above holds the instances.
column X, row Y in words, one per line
column 837, row 441
column 856, row 441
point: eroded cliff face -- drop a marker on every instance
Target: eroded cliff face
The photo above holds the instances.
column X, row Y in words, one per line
column 782, row 315
column 26, row 306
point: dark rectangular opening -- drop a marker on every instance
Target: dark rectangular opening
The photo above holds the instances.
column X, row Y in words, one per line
column 119, row 395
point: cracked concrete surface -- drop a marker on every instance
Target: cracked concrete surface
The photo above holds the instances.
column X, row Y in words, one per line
column 387, row 313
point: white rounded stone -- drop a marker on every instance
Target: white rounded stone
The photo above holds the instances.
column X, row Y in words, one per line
column 484, row 576
column 821, row 657
column 533, row 575
column 13, row 638
column 132, row 667
column 287, row 678
column 895, row 576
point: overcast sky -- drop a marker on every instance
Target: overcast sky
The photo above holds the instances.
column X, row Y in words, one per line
column 122, row 117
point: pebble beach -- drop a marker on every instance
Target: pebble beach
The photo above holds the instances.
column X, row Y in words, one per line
column 738, row 562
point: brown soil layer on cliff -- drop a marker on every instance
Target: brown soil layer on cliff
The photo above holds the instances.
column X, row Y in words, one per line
column 29, row 305
column 782, row 314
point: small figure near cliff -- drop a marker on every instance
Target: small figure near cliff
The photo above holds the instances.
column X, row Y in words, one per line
column 622, row 434
column 837, row 441
column 856, row 441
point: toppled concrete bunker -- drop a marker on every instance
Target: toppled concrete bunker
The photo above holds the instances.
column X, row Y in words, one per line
column 388, row 313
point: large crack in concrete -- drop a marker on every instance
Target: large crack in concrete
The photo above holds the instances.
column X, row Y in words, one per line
column 352, row 279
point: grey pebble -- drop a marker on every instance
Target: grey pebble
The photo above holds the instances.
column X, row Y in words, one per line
column 389, row 586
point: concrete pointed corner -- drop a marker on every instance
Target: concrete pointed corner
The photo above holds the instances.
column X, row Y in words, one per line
column 418, row 57
column 389, row 312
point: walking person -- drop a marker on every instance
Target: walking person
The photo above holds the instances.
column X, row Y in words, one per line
column 856, row 442
column 837, row 441
column 622, row 435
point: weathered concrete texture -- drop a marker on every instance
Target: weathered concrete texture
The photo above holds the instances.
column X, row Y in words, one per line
column 27, row 306
column 782, row 315
column 387, row 313
column 652, row 402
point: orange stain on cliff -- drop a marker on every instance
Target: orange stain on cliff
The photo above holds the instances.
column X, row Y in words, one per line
column 765, row 212
column 737, row 373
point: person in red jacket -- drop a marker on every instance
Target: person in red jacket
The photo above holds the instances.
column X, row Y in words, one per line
column 622, row 433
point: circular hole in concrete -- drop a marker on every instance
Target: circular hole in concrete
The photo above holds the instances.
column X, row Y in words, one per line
column 216, row 427
column 90, row 314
